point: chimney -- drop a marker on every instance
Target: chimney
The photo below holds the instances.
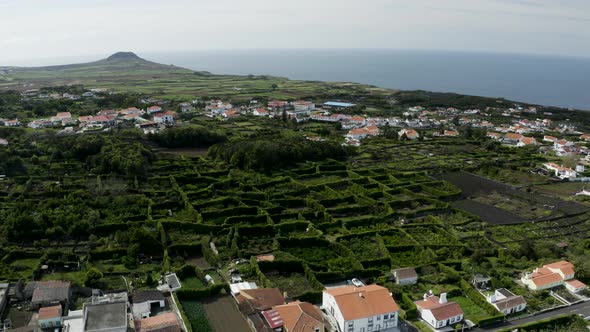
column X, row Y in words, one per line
column 425, row 296
column 443, row 298
column 361, row 295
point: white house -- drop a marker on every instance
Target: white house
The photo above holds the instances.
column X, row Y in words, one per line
column 560, row 171
column 549, row 276
column 144, row 301
column 506, row 302
column 361, row 309
column 167, row 117
column 438, row 312
column 154, row 109
column 303, row 106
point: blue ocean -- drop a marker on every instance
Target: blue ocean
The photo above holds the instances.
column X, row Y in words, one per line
column 538, row 79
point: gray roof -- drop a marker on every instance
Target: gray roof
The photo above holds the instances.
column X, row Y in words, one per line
column 139, row 296
column 103, row 316
column 405, row 273
column 51, row 291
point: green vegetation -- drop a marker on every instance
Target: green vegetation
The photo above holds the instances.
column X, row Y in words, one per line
column 196, row 198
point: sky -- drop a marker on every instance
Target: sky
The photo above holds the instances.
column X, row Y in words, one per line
column 33, row 30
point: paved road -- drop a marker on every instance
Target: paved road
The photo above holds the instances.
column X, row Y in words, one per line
column 580, row 308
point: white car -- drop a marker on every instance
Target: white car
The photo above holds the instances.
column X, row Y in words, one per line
column 357, row 282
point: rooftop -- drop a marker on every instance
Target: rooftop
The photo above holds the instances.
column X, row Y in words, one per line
column 105, row 316
column 300, row 316
column 50, row 291
column 50, row 312
column 166, row 320
column 139, row 296
column 405, row 273
column 360, row 302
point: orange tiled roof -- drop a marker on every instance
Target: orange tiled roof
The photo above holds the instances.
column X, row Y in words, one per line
column 440, row 311
column 50, row 312
column 576, row 283
column 166, row 321
column 361, row 302
column 300, row 316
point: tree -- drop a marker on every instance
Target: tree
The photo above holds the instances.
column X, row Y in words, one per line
column 93, row 275
column 274, row 87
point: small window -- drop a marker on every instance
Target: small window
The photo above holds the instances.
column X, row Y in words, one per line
column 379, row 317
column 386, row 316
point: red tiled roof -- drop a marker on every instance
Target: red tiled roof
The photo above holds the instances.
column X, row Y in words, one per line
column 361, row 302
column 576, row 283
column 300, row 316
column 163, row 322
column 440, row 311
column 50, row 312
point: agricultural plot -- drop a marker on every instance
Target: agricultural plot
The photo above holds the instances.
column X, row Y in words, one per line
column 497, row 203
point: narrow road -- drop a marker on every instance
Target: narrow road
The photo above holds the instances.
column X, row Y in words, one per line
column 580, row 308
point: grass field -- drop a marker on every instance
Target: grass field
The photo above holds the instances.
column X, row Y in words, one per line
column 471, row 310
column 224, row 316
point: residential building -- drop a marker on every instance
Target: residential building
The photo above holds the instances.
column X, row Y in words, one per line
column 50, row 317
column 277, row 104
column 549, row 276
column 300, row 317
column 131, row 110
column 237, row 287
column 106, row 314
column 45, row 293
column 303, row 106
column 438, row 312
column 482, row 282
column 494, row 135
column 574, row 286
column 12, row 123
column 560, row 171
column 405, row 276
column 185, row 107
column 260, row 112
column 256, row 306
column 512, row 138
column 451, row 133
column 154, row 109
column 167, row 117
column 144, row 301
column 549, row 139
column 506, row 302
column 165, row 322
column 527, row 141
column 361, row 309
column 410, row 134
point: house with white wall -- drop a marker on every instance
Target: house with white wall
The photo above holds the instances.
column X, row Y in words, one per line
column 438, row 312
column 560, row 171
column 506, row 302
column 549, row 276
column 361, row 309
column 167, row 117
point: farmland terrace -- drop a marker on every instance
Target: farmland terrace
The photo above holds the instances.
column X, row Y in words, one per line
column 498, row 203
